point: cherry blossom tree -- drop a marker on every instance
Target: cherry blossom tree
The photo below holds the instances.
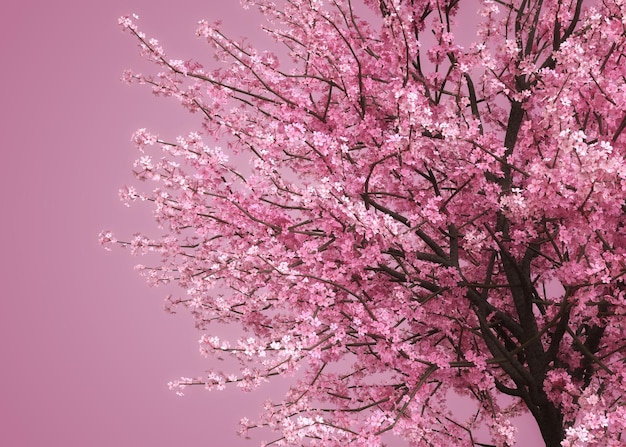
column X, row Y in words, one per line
column 421, row 212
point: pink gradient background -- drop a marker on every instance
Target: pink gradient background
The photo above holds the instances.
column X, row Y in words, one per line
column 86, row 349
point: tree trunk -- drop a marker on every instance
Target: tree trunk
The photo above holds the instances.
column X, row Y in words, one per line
column 550, row 422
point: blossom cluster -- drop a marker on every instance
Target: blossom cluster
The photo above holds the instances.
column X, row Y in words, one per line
column 414, row 215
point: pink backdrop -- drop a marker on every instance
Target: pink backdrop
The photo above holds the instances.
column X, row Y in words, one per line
column 85, row 346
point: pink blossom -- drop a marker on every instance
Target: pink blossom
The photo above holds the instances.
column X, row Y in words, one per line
column 107, row 239
column 400, row 213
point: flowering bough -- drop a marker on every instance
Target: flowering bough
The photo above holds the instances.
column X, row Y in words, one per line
column 420, row 215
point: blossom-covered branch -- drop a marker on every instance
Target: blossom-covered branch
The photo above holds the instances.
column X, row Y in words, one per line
column 422, row 213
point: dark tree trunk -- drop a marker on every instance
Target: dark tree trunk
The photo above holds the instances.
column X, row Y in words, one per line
column 550, row 422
